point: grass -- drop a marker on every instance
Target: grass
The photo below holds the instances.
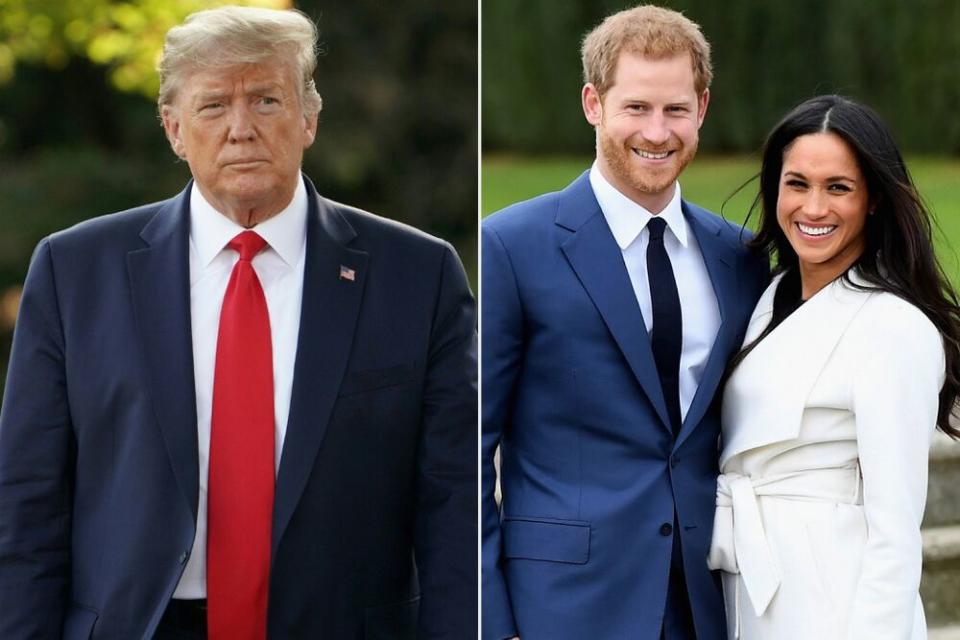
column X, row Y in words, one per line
column 709, row 181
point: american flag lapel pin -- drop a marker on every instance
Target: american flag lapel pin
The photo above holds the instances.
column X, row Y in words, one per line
column 346, row 273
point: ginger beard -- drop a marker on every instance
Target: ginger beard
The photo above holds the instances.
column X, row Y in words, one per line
column 639, row 173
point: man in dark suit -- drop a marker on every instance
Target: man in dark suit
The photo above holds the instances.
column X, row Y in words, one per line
column 246, row 411
column 610, row 310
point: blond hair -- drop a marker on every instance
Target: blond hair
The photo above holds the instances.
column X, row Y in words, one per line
column 649, row 31
column 240, row 35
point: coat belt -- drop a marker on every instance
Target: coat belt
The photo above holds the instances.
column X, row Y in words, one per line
column 739, row 543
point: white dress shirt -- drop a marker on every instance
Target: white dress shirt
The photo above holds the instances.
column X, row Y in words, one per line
column 698, row 301
column 280, row 270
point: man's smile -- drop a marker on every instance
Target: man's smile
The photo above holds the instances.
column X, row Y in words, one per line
column 653, row 155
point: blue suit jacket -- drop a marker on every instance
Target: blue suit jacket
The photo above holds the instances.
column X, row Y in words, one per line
column 590, row 472
column 98, row 435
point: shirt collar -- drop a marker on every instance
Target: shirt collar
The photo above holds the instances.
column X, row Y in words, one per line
column 627, row 219
column 285, row 232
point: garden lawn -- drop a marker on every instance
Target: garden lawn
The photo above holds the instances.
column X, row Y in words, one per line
column 711, row 181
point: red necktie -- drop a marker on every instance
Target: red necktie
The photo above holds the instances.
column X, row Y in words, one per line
column 240, row 484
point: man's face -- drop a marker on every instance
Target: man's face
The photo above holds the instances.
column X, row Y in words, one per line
column 647, row 125
column 242, row 131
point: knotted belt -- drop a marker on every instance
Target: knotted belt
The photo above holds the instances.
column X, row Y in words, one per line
column 740, row 543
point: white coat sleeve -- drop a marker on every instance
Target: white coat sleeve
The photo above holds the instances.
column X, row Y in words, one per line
column 895, row 401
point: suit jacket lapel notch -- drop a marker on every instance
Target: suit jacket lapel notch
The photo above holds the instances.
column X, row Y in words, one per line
column 596, row 259
column 329, row 312
column 159, row 278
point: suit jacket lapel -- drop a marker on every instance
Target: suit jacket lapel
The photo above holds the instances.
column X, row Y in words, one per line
column 597, row 260
column 160, row 284
column 779, row 374
column 328, row 318
column 717, row 256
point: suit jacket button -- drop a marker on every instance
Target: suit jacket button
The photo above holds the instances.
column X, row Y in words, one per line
column 674, row 461
column 666, row 529
column 183, row 557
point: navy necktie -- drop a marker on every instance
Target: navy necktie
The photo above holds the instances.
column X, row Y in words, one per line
column 667, row 336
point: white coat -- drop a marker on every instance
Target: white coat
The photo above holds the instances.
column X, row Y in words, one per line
column 827, row 425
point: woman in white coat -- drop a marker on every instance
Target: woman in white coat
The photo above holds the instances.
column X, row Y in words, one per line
column 850, row 362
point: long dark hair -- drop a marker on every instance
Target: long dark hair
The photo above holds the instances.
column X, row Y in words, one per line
column 899, row 256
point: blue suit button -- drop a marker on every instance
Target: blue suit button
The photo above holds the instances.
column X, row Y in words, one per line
column 666, row 529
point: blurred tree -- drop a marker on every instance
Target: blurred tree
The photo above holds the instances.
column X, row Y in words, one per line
column 901, row 58
column 125, row 36
column 398, row 131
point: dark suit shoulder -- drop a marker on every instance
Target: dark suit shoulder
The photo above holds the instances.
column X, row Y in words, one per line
column 375, row 231
column 752, row 265
column 523, row 217
column 734, row 234
column 119, row 228
column 728, row 230
column 738, row 235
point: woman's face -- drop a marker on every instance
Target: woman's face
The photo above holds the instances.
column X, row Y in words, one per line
column 822, row 204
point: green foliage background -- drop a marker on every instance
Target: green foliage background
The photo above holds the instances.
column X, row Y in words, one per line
column 79, row 134
column 902, row 58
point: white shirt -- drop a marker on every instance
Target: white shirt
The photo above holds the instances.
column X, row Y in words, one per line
column 698, row 301
column 280, row 270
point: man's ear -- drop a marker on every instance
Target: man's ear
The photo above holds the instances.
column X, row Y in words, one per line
column 309, row 128
column 702, row 103
column 592, row 104
column 170, row 116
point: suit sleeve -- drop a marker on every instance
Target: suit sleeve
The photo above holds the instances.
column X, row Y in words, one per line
column 446, row 527
column 895, row 401
column 36, row 452
column 502, row 328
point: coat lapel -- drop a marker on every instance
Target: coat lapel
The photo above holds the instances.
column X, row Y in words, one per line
column 331, row 304
column 718, row 258
column 767, row 394
column 596, row 258
column 160, row 285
